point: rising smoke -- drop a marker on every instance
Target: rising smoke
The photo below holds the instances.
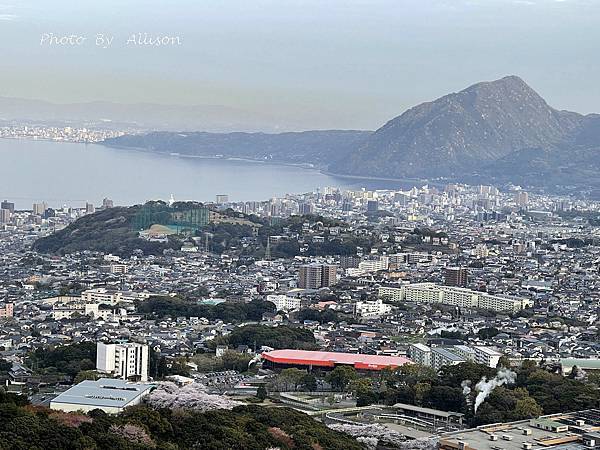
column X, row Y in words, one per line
column 485, row 387
column 466, row 387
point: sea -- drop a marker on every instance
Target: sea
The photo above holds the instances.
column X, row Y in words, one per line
column 65, row 173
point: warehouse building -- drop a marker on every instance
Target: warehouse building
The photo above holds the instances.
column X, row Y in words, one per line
column 110, row 395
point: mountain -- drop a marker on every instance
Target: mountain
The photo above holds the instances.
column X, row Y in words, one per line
column 498, row 131
column 466, row 131
column 308, row 147
column 143, row 116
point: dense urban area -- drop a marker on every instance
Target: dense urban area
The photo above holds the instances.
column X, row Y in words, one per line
column 455, row 317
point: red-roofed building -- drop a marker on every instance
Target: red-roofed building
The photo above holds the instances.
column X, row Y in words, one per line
column 281, row 359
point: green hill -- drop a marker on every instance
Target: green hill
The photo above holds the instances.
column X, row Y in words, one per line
column 108, row 231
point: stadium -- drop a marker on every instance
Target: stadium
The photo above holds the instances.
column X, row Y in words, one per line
column 303, row 359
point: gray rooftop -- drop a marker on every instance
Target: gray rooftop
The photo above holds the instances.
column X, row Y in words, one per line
column 104, row 392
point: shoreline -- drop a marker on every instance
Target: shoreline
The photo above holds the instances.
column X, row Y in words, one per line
column 322, row 170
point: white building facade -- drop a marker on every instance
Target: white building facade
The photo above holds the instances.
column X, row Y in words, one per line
column 127, row 361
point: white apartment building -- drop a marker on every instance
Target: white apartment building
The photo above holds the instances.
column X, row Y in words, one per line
column 420, row 354
column 128, row 361
column 109, row 297
column 487, row 356
column 465, row 352
column 503, row 303
column 461, row 297
column 395, row 294
column 372, row 308
column 437, row 357
column 441, row 356
column 284, row 303
column 374, row 265
column 454, row 296
column 423, row 293
column 67, row 307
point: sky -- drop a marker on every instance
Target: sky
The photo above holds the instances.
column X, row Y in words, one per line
column 315, row 63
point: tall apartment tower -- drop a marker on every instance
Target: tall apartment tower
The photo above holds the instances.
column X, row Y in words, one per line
column 8, row 205
column 456, row 276
column 310, row 276
column 521, row 198
column 315, row 276
column 4, row 215
column 39, row 208
column 329, row 275
column 128, row 361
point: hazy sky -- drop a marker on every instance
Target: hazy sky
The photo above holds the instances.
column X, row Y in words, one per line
column 328, row 63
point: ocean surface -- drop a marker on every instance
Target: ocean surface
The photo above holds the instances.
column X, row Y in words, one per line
column 73, row 174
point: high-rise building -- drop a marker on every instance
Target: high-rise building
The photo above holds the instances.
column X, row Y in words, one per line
column 305, row 208
column 315, row 276
column 8, row 205
column 107, row 203
column 347, row 262
column 372, row 206
column 39, row 208
column 5, row 215
column 90, row 208
column 309, row 276
column 222, row 198
column 521, row 198
column 456, row 276
column 128, row 361
column 329, row 275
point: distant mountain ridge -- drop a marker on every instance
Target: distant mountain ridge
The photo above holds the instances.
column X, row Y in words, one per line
column 497, row 131
column 304, row 148
column 142, row 116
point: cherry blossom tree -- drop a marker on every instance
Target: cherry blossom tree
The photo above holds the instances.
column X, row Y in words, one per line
column 191, row 396
column 372, row 435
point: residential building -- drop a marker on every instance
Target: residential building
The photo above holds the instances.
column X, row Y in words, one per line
column 6, row 310
column 316, row 276
column 420, row 354
column 456, row 276
column 124, row 360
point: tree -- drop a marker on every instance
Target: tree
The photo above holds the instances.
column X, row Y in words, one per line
column 454, row 375
column 261, row 393
column 275, row 337
column 527, row 408
column 412, row 374
column 235, row 361
column 291, row 377
column 488, row 333
column 360, row 386
column 341, row 376
column 191, row 396
column 421, row 392
column 503, row 361
column 309, row 382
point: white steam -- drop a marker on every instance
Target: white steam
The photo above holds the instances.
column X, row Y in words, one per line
column 255, row 360
column 466, row 387
column 485, row 387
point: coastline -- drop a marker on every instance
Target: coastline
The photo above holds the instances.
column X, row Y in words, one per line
column 322, row 170
column 307, row 166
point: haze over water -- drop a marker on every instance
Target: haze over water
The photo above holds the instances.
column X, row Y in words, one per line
column 68, row 173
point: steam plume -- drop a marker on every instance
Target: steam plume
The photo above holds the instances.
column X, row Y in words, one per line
column 485, row 387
